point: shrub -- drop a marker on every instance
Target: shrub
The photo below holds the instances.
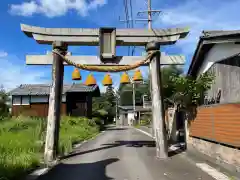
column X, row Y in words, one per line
column 74, row 130
column 22, row 142
column 19, row 150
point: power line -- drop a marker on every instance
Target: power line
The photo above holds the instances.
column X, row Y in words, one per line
column 131, row 9
column 128, row 20
column 126, row 12
column 125, row 4
column 150, row 13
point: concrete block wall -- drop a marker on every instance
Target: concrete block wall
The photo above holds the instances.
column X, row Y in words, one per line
column 218, row 152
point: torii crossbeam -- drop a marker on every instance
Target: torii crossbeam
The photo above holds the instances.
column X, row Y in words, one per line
column 107, row 39
column 95, row 60
column 90, row 37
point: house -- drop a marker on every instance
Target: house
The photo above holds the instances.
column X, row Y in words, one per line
column 33, row 99
column 215, row 129
column 127, row 114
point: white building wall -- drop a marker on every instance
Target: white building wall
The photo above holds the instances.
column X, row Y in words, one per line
column 217, row 53
column 130, row 118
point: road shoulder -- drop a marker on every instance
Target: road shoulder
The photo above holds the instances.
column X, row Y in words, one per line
column 44, row 170
column 198, row 159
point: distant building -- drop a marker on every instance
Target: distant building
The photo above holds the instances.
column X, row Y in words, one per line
column 33, row 99
column 128, row 116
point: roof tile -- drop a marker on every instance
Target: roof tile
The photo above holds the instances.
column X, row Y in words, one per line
column 44, row 89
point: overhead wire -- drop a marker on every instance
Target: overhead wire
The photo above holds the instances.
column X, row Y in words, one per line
column 131, row 12
column 125, row 4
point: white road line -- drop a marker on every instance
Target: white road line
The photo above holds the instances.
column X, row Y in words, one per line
column 203, row 166
column 212, row 172
column 171, row 148
column 40, row 171
column 144, row 132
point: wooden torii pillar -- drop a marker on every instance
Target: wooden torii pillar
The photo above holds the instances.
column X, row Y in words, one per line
column 61, row 38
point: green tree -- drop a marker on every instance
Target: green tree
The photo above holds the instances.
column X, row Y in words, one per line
column 126, row 93
column 189, row 91
column 178, row 89
column 111, row 99
column 4, row 108
column 104, row 106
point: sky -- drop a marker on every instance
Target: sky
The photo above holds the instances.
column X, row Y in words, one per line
column 199, row 15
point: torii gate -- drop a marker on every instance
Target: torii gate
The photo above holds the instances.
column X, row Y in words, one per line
column 107, row 39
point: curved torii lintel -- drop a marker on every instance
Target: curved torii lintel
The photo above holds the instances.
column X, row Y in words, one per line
column 86, row 36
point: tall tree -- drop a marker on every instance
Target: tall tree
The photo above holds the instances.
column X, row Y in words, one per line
column 4, row 108
column 104, row 105
column 111, row 99
column 177, row 88
column 110, row 95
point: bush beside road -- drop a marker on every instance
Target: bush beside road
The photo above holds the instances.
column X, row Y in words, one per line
column 22, row 142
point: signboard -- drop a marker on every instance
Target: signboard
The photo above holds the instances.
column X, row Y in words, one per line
column 107, row 43
column 213, row 100
column 147, row 103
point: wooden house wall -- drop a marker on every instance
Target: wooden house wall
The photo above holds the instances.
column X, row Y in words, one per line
column 79, row 104
column 38, row 109
column 227, row 78
column 75, row 104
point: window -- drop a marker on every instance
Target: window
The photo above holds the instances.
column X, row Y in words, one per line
column 44, row 99
column 63, row 98
column 25, row 100
column 39, row 99
column 16, row 100
column 21, row 100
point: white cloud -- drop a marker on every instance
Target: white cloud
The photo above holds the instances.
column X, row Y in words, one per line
column 3, row 54
column 12, row 73
column 199, row 16
column 53, row 8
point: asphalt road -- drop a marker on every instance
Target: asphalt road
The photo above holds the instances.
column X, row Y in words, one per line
column 123, row 154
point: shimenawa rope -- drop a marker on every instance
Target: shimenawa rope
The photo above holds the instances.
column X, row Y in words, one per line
column 107, row 68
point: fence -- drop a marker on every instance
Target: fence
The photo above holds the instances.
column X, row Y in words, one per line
column 218, row 123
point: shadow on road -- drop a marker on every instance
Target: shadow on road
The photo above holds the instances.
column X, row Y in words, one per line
column 132, row 143
column 136, row 144
column 112, row 145
column 172, row 153
column 115, row 129
column 84, row 171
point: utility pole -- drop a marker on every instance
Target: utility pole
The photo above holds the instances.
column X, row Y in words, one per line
column 149, row 15
column 149, row 12
column 149, row 20
column 127, row 20
column 117, row 97
column 149, row 67
column 134, row 98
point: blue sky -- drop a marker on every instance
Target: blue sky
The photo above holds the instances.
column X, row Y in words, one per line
column 199, row 15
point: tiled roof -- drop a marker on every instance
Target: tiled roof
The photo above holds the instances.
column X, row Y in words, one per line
column 44, row 89
column 211, row 38
column 212, row 34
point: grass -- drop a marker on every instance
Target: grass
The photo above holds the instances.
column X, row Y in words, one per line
column 22, row 142
column 137, row 125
